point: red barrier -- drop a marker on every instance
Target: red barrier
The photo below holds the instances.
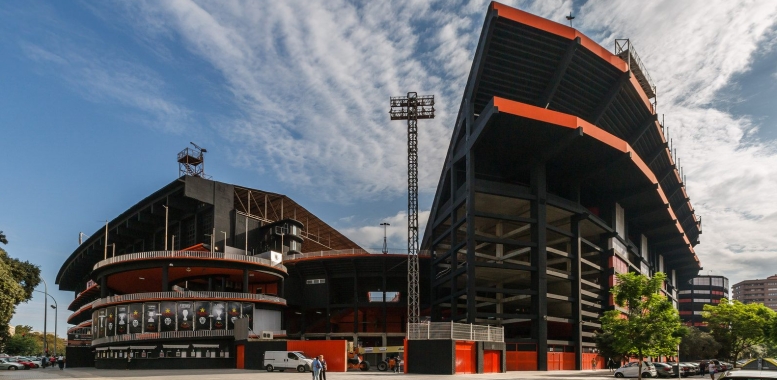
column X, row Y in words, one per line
column 334, row 351
column 521, row 360
column 491, row 362
column 466, row 357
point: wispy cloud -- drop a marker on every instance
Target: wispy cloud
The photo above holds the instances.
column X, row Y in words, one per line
column 692, row 49
column 312, row 81
column 99, row 71
column 370, row 234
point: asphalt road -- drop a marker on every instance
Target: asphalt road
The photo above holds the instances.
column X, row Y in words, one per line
column 235, row 374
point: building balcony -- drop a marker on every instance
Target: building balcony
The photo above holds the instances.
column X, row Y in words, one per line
column 187, row 295
column 166, row 335
column 189, row 255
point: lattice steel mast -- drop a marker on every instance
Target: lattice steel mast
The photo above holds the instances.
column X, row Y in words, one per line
column 411, row 108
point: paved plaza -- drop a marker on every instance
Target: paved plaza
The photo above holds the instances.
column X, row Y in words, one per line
column 235, row 374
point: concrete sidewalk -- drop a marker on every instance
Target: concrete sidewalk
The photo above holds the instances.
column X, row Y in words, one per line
column 235, row 374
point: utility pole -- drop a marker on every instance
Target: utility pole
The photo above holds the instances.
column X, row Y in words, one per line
column 411, row 108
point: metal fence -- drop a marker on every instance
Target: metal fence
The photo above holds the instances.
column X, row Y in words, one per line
column 168, row 335
column 188, row 255
column 454, row 331
column 186, row 295
column 343, row 252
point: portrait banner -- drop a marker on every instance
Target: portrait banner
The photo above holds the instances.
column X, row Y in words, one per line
column 110, row 321
column 122, row 312
column 234, row 313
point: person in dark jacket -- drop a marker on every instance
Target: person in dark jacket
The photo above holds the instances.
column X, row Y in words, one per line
column 323, row 366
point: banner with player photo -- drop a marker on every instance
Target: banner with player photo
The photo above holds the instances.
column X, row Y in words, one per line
column 219, row 316
column 234, row 313
column 202, row 313
column 100, row 323
column 110, row 321
column 185, row 316
column 121, row 319
column 248, row 312
column 167, row 320
column 135, row 318
column 151, row 317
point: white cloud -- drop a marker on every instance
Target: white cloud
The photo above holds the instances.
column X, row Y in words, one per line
column 312, row 81
column 692, row 49
column 110, row 79
column 370, row 234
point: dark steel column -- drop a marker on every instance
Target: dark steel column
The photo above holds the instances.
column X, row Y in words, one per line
column 384, row 311
column 103, row 287
column 355, row 305
column 210, row 283
column 245, row 281
column 471, row 243
column 165, row 281
column 577, row 315
column 540, row 261
column 454, row 256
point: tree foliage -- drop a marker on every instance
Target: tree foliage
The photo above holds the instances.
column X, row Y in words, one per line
column 3, row 238
column 20, row 344
column 698, row 344
column 737, row 326
column 649, row 325
column 605, row 343
column 18, row 279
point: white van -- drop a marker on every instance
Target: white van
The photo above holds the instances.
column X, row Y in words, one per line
column 282, row 360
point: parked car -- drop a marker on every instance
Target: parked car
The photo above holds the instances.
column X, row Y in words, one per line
column 9, row 365
column 26, row 364
column 695, row 367
column 726, row 366
column 663, row 369
column 31, row 360
column 632, row 370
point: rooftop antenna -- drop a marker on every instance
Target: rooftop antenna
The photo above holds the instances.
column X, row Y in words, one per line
column 385, row 246
column 411, row 108
column 570, row 18
column 191, row 161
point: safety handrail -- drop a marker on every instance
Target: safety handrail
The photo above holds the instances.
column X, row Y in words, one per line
column 187, row 255
column 187, row 295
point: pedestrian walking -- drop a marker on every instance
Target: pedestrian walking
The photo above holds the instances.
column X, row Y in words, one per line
column 317, row 369
column 323, row 366
column 611, row 364
column 397, row 363
column 711, row 368
column 593, row 364
column 61, row 362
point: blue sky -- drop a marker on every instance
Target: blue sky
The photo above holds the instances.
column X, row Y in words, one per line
column 96, row 99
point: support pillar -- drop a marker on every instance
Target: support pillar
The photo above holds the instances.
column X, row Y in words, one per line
column 577, row 308
column 540, row 261
column 470, row 216
column 165, row 281
column 245, row 281
column 103, row 287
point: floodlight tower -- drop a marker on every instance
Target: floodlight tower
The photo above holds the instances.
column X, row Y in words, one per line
column 411, row 108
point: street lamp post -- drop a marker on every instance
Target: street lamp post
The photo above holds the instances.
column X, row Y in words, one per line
column 54, row 306
column 385, row 246
column 45, row 314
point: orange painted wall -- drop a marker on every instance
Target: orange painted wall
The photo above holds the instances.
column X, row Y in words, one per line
column 466, row 357
column 334, row 351
column 491, row 362
column 601, row 363
column 241, row 356
column 521, row 360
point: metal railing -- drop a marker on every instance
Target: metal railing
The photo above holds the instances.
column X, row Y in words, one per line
column 186, row 294
column 345, row 252
column 169, row 335
column 454, row 331
column 188, row 255
column 625, row 50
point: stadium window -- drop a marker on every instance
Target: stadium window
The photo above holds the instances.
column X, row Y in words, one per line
column 378, row 296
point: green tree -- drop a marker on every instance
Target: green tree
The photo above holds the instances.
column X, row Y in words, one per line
column 648, row 325
column 605, row 343
column 3, row 238
column 737, row 326
column 22, row 344
column 698, row 344
column 18, row 279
